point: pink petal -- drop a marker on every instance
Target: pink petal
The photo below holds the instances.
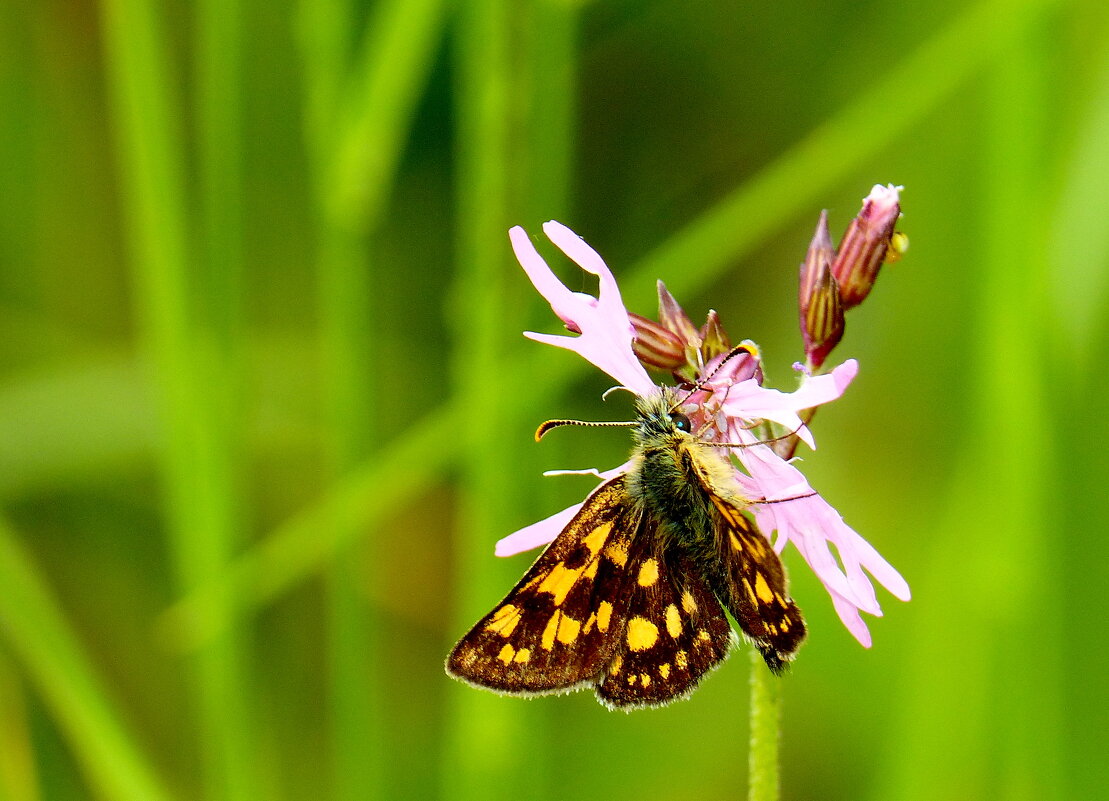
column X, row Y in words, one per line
column 814, row 526
column 540, row 533
column 544, row 531
column 878, row 567
column 818, row 389
column 852, row 620
column 606, row 333
column 749, row 401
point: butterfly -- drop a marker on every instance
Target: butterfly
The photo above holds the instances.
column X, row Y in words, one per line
column 630, row 597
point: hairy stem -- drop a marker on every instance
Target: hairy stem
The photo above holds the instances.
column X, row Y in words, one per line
column 762, row 755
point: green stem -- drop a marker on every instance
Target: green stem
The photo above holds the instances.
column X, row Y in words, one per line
column 766, row 713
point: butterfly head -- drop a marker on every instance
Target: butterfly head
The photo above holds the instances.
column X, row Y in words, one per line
column 661, row 414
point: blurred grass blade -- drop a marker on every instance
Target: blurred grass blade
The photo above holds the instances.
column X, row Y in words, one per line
column 550, row 77
column 85, row 418
column 483, row 757
column 1080, row 242
column 18, row 774
column 690, row 259
column 985, row 715
column 210, row 533
column 324, row 28
column 376, row 109
column 358, row 121
column 194, row 461
column 48, row 651
column 314, row 536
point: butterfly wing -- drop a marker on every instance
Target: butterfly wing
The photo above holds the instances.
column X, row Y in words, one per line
column 675, row 630
column 558, row 626
column 757, row 595
column 752, row 580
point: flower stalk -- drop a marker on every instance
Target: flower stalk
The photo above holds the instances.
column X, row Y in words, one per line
column 762, row 754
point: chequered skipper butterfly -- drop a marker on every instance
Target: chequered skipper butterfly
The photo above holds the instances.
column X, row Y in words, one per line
column 630, row 598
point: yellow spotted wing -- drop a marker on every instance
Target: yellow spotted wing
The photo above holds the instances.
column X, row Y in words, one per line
column 757, row 595
column 606, row 605
column 560, row 625
column 752, row 580
column 674, row 634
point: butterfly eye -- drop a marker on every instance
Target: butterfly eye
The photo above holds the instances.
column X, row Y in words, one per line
column 680, row 421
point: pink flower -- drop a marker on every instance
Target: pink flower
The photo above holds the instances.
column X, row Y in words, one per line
column 606, row 334
column 730, row 405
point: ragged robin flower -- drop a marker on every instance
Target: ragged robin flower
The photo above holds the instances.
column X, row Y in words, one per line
column 726, row 402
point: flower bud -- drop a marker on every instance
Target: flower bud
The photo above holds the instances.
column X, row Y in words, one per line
column 744, row 362
column 674, row 319
column 819, row 258
column 822, row 322
column 655, row 346
column 864, row 246
column 819, row 299
column 714, row 339
column 674, row 343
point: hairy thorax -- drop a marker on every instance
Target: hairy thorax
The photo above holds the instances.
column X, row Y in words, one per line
column 669, row 471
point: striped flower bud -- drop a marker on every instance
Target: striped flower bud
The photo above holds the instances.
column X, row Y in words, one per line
column 863, row 248
column 822, row 321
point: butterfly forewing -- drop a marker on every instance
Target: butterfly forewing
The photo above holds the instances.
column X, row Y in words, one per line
column 757, row 593
column 675, row 630
column 557, row 627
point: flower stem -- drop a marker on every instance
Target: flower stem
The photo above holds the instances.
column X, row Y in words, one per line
column 762, row 755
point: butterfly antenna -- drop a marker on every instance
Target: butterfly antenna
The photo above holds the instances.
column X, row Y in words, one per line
column 710, row 443
column 742, row 347
column 766, row 502
column 547, row 426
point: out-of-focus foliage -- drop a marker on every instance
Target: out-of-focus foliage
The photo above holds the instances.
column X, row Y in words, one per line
column 265, row 406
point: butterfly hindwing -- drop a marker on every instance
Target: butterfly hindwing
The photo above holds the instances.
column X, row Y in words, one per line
column 757, row 594
column 754, row 580
column 558, row 626
column 675, row 630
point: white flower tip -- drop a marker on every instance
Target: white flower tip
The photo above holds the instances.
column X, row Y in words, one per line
column 519, row 238
column 857, row 627
column 553, row 229
column 890, row 193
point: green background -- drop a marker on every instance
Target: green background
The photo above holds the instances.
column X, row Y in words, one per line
column 265, row 406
